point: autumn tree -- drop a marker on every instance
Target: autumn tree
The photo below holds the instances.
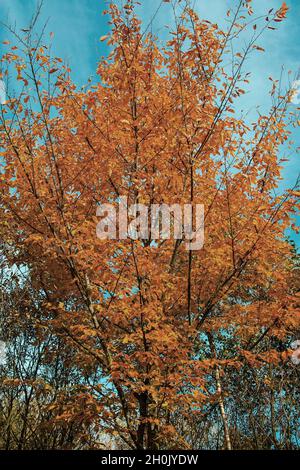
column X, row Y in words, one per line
column 159, row 327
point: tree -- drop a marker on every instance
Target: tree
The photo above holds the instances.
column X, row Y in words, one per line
column 157, row 325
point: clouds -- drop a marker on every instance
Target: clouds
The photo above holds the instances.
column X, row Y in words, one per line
column 78, row 25
column 2, row 353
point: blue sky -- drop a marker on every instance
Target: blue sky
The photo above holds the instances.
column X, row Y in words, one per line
column 78, row 25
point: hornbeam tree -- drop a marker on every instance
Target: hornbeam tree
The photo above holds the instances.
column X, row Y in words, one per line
column 158, row 325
